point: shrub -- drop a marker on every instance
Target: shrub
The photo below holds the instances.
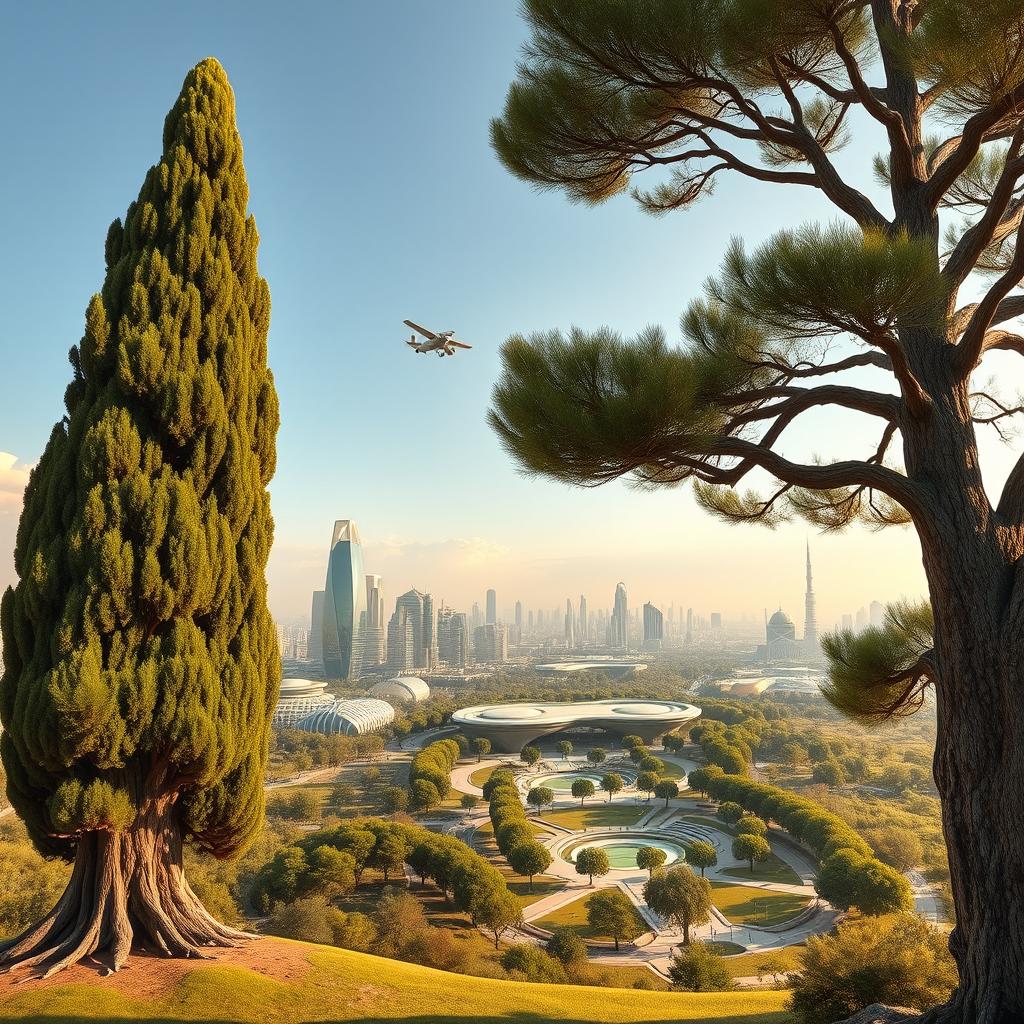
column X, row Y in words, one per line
column 751, row 825
column 530, row 963
column 898, row 960
column 698, row 969
column 566, row 946
column 849, row 879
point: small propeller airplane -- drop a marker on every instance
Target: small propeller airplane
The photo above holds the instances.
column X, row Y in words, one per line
column 443, row 344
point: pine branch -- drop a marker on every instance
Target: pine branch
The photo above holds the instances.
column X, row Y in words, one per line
column 991, row 227
column 971, row 345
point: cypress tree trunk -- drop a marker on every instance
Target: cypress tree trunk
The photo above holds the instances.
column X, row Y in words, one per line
column 127, row 888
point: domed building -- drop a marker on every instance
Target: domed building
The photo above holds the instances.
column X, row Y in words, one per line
column 781, row 643
column 299, row 697
column 349, row 717
column 780, row 637
column 406, row 689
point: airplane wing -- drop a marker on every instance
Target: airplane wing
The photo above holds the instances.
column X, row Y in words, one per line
column 421, row 330
column 458, row 344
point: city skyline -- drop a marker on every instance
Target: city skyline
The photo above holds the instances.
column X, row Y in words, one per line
column 788, row 590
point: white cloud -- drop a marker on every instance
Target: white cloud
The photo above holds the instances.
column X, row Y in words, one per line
column 13, row 478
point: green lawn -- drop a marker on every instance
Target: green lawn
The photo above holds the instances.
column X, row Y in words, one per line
column 742, row 904
column 574, row 915
column 790, row 959
column 596, row 814
column 772, row 870
column 343, row 986
column 481, row 775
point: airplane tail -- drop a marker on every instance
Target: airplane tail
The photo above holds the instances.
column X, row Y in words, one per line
column 412, row 341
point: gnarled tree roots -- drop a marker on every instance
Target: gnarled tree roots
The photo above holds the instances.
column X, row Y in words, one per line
column 127, row 890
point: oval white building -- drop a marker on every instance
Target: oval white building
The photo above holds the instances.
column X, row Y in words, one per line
column 408, row 689
column 297, row 699
column 510, row 727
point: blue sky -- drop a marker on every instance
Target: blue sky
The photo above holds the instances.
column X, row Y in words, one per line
column 378, row 198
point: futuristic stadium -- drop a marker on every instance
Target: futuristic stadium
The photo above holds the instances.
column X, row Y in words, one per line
column 509, row 727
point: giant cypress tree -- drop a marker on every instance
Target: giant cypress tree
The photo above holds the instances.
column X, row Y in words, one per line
column 141, row 665
column 911, row 292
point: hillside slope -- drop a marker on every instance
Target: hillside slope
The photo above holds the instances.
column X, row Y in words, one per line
column 276, row 981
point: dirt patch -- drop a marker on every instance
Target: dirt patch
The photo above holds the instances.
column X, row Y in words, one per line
column 150, row 977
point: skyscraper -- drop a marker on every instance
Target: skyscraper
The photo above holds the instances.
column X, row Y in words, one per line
column 375, row 636
column 618, row 627
column 877, row 614
column 492, row 607
column 316, row 628
column 401, row 641
column 452, row 637
column 490, row 643
column 583, row 624
column 519, row 614
column 475, row 618
column 689, row 625
column 654, row 627
column 419, row 609
column 570, row 625
column 344, row 604
column 810, row 617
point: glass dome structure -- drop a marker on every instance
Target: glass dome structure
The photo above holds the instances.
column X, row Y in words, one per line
column 349, row 717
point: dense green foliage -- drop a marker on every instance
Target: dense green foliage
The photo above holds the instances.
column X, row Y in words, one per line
column 610, row 912
column 433, row 765
column 876, row 889
column 680, row 897
column 701, row 854
column 140, row 658
column 649, row 858
column 751, row 848
column 699, row 969
column 591, row 861
column 899, row 960
column 512, row 832
column 331, row 861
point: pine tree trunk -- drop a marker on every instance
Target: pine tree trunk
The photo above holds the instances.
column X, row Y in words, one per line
column 979, row 771
column 972, row 557
column 127, row 889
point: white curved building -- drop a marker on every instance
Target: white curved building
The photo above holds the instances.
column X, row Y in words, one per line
column 408, row 689
column 510, row 727
column 349, row 717
column 297, row 699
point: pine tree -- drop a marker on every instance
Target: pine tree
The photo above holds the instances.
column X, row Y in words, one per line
column 141, row 663
column 912, row 289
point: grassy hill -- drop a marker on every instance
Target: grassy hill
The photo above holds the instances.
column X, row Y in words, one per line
column 318, row 983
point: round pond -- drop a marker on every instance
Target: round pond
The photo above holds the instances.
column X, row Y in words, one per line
column 622, row 850
column 562, row 783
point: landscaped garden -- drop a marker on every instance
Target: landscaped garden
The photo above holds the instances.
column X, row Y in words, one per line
column 574, row 915
column 742, row 904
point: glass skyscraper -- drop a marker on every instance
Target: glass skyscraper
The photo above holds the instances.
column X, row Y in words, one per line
column 344, row 614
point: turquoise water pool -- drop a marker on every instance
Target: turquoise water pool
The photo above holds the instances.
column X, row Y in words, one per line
column 622, row 852
column 563, row 783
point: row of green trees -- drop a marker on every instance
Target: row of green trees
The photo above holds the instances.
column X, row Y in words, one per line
column 512, row 831
column 430, row 773
column 850, row 875
column 331, row 862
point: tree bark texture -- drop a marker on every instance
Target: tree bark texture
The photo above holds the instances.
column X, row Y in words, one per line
column 127, row 890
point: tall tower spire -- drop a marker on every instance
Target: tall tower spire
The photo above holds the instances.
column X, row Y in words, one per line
column 810, row 618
